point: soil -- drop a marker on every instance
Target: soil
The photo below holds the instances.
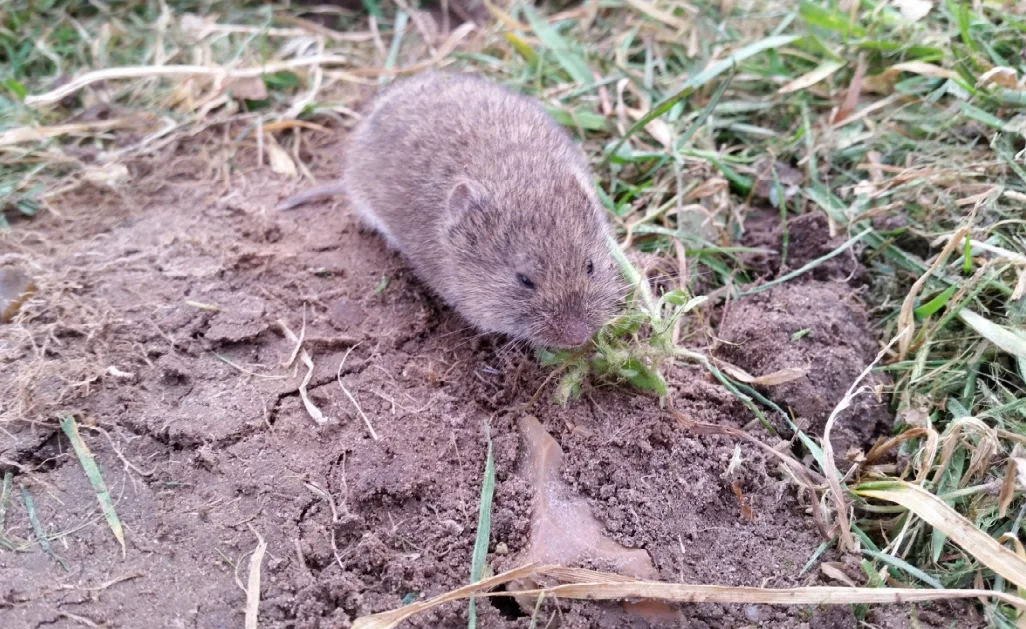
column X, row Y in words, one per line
column 156, row 325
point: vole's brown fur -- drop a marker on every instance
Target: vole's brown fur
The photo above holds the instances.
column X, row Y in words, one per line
column 490, row 201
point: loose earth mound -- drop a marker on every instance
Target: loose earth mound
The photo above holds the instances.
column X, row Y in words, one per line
column 159, row 322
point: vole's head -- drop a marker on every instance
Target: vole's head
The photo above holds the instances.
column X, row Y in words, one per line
column 531, row 259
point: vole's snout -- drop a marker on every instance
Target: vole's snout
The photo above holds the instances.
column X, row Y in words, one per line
column 571, row 332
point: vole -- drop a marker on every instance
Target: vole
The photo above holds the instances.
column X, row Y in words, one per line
column 489, row 200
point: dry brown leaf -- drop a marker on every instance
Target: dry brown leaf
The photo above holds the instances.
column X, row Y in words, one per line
column 281, row 125
column 707, row 188
column 835, row 571
column 1007, row 487
column 884, row 82
column 825, row 70
column 20, row 135
column 280, row 160
column 921, row 68
column 1000, row 76
column 851, row 97
column 659, row 130
column 787, row 374
column 249, row 88
column 746, row 510
column 110, row 175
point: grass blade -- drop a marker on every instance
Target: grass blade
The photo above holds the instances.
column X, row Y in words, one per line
column 566, row 56
column 701, row 79
column 935, row 304
column 808, row 267
column 959, row 529
column 484, row 524
column 903, row 565
column 37, row 528
column 1009, row 340
column 5, row 499
column 92, row 472
column 707, row 111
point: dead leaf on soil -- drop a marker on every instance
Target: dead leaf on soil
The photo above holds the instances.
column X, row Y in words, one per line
column 782, row 376
column 746, row 510
column 835, row 571
column 249, row 88
column 280, row 161
column 884, row 82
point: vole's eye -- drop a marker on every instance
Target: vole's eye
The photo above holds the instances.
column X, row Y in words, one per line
column 591, row 268
column 525, row 281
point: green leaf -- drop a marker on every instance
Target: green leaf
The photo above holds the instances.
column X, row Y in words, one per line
column 372, row 8
column 837, row 21
column 701, row 79
column 523, row 49
column 643, row 377
column 587, row 120
column 935, row 304
column 37, row 527
column 484, row 524
column 570, row 384
column 282, row 80
column 676, row 297
column 16, row 88
column 92, row 472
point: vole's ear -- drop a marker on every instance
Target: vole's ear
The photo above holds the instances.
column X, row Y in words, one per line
column 465, row 197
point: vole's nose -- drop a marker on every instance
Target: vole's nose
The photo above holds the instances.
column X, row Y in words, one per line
column 575, row 332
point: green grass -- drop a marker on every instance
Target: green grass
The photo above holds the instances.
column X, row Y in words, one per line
column 701, row 114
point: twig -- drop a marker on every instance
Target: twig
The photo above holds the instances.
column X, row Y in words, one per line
column 136, row 72
column 314, row 412
column 338, row 376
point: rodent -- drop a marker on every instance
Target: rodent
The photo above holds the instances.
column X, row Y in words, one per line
column 490, row 201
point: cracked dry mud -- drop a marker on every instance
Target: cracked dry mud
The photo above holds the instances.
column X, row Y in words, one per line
column 177, row 283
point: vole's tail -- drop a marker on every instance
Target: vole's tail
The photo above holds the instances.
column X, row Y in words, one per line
column 317, row 192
